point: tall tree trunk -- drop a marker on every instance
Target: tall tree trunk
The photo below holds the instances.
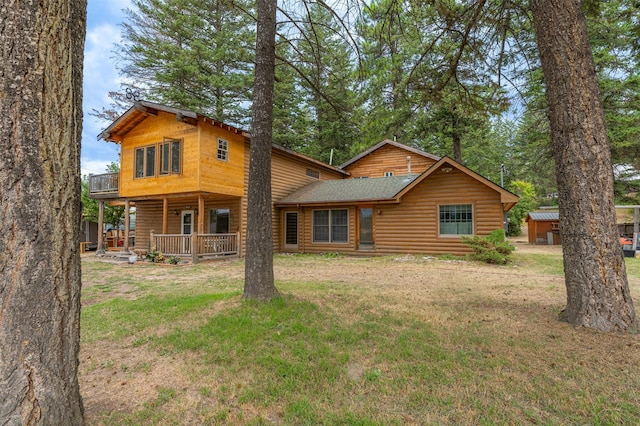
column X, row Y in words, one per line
column 40, row 130
column 258, row 274
column 597, row 289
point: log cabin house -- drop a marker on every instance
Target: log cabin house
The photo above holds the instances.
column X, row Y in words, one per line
column 187, row 176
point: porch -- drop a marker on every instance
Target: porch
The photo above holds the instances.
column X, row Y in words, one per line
column 195, row 245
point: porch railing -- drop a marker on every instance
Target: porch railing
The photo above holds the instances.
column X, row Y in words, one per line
column 206, row 244
column 106, row 183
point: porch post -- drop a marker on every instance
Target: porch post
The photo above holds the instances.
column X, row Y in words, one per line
column 165, row 215
column 152, row 241
column 201, row 214
column 100, row 248
column 127, row 219
column 194, row 248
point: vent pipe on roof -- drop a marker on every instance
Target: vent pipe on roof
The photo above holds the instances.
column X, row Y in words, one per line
column 395, row 138
column 331, row 157
column 408, row 165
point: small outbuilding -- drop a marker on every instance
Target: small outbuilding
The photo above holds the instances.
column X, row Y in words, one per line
column 544, row 228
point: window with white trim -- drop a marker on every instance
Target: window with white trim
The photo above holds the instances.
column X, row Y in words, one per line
column 331, row 226
column 388, row 174
column 456, row 219
column 223, row 150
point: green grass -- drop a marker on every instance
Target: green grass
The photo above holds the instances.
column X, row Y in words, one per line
column 481, row 350
column 118, row 318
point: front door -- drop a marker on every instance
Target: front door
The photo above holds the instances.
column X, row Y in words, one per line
column 187, row 229
column 366, row 228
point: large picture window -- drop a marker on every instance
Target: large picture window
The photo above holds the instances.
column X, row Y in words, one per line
column 456, row 219
column 331, row 226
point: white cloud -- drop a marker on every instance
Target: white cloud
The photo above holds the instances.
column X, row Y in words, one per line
column 94, row 167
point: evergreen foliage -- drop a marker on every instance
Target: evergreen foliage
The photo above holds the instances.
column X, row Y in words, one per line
column 527, row 203
column 491, row 249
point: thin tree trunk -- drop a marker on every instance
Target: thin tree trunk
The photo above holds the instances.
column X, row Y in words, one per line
column 40, row 130
column 597, row 289
column 258, row 279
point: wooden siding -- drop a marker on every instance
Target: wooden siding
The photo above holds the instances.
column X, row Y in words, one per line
column 411, row 226
column 217, row 176
column 538, row 229
column 389, row 158
column 288, row 174
column 150, row 132
column 149, row 216
column 200, row 169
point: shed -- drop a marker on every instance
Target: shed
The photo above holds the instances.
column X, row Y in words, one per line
column 544, row 228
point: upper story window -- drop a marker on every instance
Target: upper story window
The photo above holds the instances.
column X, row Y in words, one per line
column 145, row 159
column 388, row 174
column 223, row 150
column 170, row 157
column 313, row 173
column 165, row 156
column 456, row 219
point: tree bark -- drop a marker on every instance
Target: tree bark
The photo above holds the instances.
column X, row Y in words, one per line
column 595, row 275
column 258, row 277
column 40, row 213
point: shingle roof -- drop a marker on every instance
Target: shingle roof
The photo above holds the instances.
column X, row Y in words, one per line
column 544, row 216
column 343, row 190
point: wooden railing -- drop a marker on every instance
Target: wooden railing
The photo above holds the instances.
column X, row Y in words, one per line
column 171, row 244
column 205, row 244
column 106, row 183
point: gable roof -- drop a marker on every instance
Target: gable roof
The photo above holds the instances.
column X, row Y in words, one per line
column 543, row 216
column 384, row 189
column 143, row 109
column 508, row 198
column 392, row 143
column 349, row 190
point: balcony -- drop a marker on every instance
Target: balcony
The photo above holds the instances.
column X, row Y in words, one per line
column 104, row 185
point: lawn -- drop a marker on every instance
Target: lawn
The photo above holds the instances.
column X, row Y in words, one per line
column 362, row 341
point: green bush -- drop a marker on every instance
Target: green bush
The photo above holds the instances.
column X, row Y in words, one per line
column 155, row 257
column 491, row 249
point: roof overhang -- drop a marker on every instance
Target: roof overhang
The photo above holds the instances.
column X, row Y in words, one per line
column 392, row 143
column 446, row 165
column 141, row 110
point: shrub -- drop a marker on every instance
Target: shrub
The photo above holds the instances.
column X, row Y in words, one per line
column 491, row 249
column 174, row 260
column 155, row 257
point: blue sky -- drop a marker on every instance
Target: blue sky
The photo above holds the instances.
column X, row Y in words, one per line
column 100, row 77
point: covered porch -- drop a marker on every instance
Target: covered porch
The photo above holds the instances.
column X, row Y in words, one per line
column 196, row 225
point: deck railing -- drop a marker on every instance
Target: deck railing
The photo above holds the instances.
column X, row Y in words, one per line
column 106, row 183
column 206, row 244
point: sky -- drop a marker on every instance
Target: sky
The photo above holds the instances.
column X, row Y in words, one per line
column 100, row 77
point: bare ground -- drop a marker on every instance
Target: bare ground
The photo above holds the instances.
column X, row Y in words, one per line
column 123, row 376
